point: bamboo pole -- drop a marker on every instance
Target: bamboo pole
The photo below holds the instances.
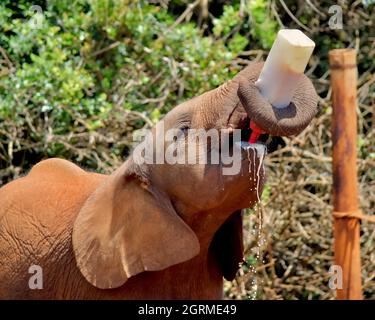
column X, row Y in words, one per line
column 345, row 193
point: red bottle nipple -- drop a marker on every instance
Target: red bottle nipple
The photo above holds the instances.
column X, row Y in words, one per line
column 256, row 132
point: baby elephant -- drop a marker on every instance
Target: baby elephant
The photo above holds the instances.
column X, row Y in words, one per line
column 152, row 229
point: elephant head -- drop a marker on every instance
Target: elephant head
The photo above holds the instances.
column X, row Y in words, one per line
column 148, row 216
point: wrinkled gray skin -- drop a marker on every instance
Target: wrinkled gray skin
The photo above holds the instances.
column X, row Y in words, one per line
column 145, row 231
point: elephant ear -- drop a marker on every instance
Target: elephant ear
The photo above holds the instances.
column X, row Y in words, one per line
column 126, row 227
column 227, row 245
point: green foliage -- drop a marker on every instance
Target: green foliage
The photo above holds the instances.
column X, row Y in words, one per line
column 229, row 19
column 49, row 74
column 90, row 58
column 266, row 193
column 264, row 26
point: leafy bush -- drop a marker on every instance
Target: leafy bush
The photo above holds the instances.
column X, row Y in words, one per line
column 88, row 63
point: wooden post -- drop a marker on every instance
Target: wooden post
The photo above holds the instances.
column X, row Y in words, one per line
column 345, row 193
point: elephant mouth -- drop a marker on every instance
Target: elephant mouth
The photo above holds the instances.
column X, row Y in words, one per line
column 272, row 143
column 242, row 122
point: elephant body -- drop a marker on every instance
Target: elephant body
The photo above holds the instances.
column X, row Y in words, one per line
column 148, row 230
column 36, row 229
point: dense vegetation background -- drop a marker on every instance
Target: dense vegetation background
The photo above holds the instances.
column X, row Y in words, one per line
column 93, row 72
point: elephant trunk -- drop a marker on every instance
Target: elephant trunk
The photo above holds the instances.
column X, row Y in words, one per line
column 287, row 121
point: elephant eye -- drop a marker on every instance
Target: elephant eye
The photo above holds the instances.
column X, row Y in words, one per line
column 184, row 129
column 182, row 132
